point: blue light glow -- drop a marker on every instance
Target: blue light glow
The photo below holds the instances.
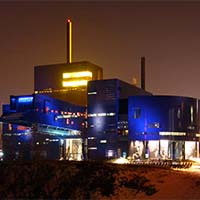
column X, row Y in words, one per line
column 25, row 99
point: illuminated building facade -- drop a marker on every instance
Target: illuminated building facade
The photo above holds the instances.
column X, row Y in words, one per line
column 41, row 126
column 120, row 120
column 67, row 82
column 74, row 114
column 165, row 127
column 107, row 132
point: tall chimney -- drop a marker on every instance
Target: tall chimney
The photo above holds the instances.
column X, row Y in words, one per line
column 69, row 41
column 143, row 73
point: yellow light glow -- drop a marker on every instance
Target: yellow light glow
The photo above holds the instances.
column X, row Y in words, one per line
column 100, row 114
column 70, row 41
column 77, row 74
column 172, row 133
column 120, row 161
column 74, row 83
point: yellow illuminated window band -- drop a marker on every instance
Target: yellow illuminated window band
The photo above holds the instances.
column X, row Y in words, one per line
column 76, row 79
column 77, row 74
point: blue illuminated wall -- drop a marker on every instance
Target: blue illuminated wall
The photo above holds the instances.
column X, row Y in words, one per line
column 21, row 143
column 102, row 109
column 149, row 115
column 58, row 113
column 16, row 142
column 35, row 124
column 108, row 117
column 42, row 109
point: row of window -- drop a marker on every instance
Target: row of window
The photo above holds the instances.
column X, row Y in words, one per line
column 101, row 114
column 137, row 113
column 60, row 90
column 64, row 114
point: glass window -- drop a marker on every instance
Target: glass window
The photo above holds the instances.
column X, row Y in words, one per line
column 137, row 113
column 154, row 125
column 179, row 113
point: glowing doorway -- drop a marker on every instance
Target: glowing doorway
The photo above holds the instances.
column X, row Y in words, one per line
column 73, row 149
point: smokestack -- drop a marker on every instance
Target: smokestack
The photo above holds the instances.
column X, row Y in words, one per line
column 69, row 41
column 143, row 73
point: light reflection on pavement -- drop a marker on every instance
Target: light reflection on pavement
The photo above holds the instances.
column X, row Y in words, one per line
column 194, row 168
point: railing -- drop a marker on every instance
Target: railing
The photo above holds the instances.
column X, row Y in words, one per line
column 163, row 163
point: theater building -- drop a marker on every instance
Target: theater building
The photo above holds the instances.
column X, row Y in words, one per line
column 75, row 114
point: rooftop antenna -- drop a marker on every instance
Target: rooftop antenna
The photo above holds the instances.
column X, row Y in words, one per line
column 69, row 41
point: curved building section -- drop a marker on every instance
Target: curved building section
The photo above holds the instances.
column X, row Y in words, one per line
column 38, row 126
column 163, row 127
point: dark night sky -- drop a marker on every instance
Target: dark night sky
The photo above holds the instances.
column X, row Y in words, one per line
column 113, row 35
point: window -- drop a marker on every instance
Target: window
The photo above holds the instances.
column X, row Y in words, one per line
column 154, row 125
column 137, row 113
column 179, row 113
column 123, row 132
column 191, row 114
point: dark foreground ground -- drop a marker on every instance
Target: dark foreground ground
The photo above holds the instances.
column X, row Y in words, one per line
column 87, row 180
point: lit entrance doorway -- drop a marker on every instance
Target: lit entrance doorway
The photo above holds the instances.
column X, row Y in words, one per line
column 71, row 149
